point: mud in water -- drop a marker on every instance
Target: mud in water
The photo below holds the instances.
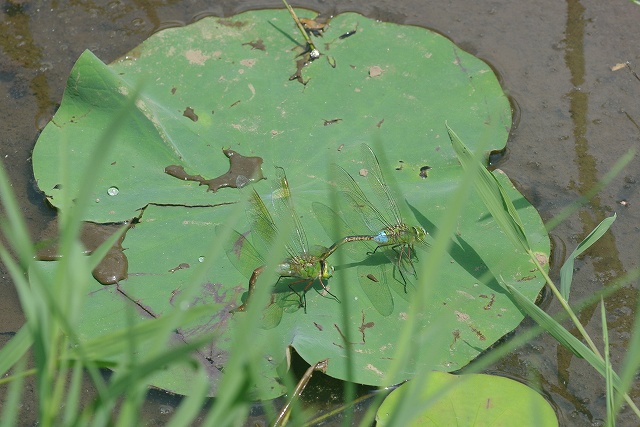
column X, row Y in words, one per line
column 577, row 110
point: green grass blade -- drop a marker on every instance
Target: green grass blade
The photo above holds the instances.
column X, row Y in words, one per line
column 14, row 350
column 611, row 418
column 101, row 251
column 179, row 354
column 11, row 405
column 248, row 348
column 104, row 347
column 492, row 194
column 190, row 407
column 566, row 272
column 412, row 340
column 15, row 228
column 631, row 363
column 71, row 219
column 72, row 400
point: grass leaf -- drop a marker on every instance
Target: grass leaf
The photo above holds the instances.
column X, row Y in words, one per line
column 566, row 272
column 493, row 195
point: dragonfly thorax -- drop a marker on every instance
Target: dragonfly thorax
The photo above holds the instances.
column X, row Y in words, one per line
column 305, row 266
column 400, row 234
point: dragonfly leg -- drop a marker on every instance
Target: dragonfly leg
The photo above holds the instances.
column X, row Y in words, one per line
column 375, row 250
column 327, row 289
column 408, row 257
column 303, row 296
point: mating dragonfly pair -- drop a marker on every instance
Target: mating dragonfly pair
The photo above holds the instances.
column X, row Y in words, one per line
column 306, row 263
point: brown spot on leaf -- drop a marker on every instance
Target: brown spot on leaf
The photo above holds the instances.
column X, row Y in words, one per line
column 189, row 113
column 424, row 171
column 113, row 267
column 242, row 170
column 257, row 44
column 490, row 303
column 375, row 71
column 331, row 122
column 181, row 266
column 364, row 326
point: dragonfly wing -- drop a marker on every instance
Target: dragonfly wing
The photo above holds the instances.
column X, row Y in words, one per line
column 263, row 227
column 241, row 253
column 355, row 200
column 284, row 207
column 336, row 228
column 379, row 185
column 272, row 315
column 374, row 283
column 363, row 213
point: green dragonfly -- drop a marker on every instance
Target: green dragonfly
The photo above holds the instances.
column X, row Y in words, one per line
column 303, row 262
column 375, row 273
column 387, row 225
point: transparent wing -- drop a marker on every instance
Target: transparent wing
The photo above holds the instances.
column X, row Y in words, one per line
column 356, row 201
column 263, row 228
column 379, row 185
column 241, row 253
column 336, row 228
column 283, row 204
column 373, row 281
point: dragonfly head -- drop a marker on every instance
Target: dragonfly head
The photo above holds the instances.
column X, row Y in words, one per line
column 326, row 270
column 420, row 233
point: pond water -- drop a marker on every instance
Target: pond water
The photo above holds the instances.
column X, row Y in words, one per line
column 576, row 114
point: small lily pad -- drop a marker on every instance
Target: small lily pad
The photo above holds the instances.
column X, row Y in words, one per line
column 476, row 400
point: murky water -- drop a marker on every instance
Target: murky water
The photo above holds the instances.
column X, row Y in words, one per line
column 576, row 118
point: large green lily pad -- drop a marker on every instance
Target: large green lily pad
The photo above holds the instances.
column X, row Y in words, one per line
column 392, row 87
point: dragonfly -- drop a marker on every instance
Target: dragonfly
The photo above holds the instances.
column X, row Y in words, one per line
column 374, row 272
column 385, row 222
column 303, row 262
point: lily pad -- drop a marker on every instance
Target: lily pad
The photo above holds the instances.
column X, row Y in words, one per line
column 472, row 400
column 224, row 83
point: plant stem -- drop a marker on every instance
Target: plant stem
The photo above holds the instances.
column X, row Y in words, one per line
column 565, row 306
column 312, row 47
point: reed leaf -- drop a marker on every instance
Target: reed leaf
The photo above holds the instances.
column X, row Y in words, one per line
column 492, row 194
column 566, row 272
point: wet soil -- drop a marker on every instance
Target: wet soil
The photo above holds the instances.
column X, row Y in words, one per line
column 576, row 115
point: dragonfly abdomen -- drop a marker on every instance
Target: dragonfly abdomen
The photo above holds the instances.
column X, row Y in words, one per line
column 381, row 238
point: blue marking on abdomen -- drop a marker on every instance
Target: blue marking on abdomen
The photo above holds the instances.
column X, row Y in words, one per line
column 381, row 238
